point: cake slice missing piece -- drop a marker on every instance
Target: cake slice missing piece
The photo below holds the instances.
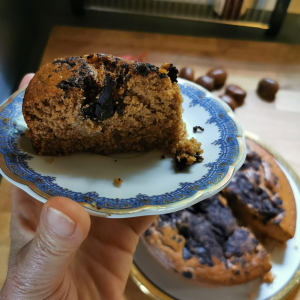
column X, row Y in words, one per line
column 104, row 104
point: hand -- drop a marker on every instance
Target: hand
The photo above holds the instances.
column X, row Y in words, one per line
column 59, row 252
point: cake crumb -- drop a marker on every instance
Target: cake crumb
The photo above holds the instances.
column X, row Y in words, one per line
column 94, row 204
column 187, row 153
column 115, row 160
column 51, row 160
column 296, row 247
column 195, row 128
column 268, row 277
column 6, row 120
column 251, row 295
column 118, row 181
column 15, row 123
column 163, row 157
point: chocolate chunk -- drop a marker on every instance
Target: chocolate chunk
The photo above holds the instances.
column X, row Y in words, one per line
column 267, row 89
column 104, row 107
column 147, row 232
column 248, row 191
column 219, row 75
column 173, row 73
column 180, row 164
column 277, row 201
column 90, row 56
column 187, row 274
column 229, row 100
column 206, row 81
column 71, row 82
column 236, row 243
column 186, row 254
column 237, row 272
column 187, row 73
column 237, row 93
column 200, row 250
column 144, row 68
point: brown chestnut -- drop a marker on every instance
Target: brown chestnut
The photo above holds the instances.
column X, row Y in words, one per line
column 187, row 73
column 219, row 75
column 229, row 100
column 237, row 93
column 267, row 89
column 206, row 82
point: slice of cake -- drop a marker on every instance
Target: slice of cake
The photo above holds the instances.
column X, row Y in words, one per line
column 261, row 196
column 104, row 104
column 204, row 243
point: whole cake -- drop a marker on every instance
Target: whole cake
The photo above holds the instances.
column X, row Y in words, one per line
column 205, row 243
column 104, row 104
column 217, row 240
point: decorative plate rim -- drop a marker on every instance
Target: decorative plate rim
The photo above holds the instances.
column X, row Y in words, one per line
column 154, row 292
column 40, row 195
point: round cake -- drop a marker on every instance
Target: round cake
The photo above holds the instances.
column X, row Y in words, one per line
column 220, row 240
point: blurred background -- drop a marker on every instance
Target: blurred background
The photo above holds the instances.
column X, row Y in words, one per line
column 25, row 26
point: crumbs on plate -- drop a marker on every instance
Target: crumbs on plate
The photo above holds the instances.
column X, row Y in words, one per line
column 6, row 120
column 118, row 181
column 51, row 160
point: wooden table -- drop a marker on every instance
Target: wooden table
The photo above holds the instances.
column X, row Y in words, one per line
column 278, row 123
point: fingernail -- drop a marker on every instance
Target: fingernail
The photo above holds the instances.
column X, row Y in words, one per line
column 59, row 223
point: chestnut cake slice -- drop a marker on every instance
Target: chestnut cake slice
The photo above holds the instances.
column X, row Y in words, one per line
column 103, row 104
column 204, row 243
column 261, row 196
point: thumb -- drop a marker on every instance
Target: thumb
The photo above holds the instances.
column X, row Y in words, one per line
column 63, row 226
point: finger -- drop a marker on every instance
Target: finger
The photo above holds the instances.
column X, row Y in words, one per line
column 139, row 224
column 25, row 218
column 63, row 226
column 26, row 79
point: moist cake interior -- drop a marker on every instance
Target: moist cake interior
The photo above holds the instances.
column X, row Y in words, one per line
column 104, row 104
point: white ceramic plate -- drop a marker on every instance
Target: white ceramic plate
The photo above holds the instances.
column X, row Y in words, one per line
column 160, row 283
column 150, row 184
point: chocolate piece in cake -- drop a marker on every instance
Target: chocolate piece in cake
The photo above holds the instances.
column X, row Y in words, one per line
column 103, row 104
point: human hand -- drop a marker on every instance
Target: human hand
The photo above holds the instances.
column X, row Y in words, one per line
column 59, row 252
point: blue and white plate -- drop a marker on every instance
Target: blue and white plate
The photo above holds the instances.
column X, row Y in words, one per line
column 150, row 184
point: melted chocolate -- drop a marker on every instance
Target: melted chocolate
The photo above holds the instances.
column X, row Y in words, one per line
column 173, row 73
column 210, row 230
column 245, row 185
column 103, row 107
